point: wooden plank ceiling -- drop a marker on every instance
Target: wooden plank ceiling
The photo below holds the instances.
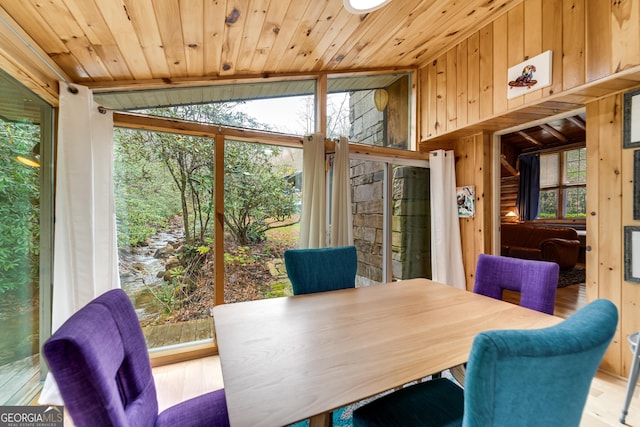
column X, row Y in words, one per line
column 133, row 43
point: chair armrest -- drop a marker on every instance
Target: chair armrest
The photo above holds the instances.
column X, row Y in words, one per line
column 564, row 252
column 560, row 242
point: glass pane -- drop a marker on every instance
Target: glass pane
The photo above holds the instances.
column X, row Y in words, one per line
column 367, row 183
column 285, row 107
column 548, row 204
column 21, row 117
column 164, row 191
column 411, row 222
column 371, row 110
column 262, row 213
column 293, row 115
column 575, row 202
column 575, row 166
column 549, row 170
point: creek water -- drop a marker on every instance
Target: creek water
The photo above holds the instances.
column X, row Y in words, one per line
column 139, row 270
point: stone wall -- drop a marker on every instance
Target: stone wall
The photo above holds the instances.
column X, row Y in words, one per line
column 411, row 230
column 410, row 223
column 367, row 123
column 367, row 180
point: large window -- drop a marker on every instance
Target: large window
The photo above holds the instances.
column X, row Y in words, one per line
column 25, row 239
column 371, row 110
column 168, row 191
column 563, row 179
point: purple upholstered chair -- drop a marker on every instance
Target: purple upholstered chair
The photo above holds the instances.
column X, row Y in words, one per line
column 536, row 281
column 100, row 362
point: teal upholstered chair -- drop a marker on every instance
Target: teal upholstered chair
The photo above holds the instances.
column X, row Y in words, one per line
column 514, row 377
column 321, row 269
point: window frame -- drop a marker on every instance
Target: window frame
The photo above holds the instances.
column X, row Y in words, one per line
column 562, row 186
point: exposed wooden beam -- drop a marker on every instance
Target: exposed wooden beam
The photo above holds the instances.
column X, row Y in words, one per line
column 163, row 124
column 185, row 82
column 576, row 120
column 555, row 133
column 508, row 166
column 530, row 138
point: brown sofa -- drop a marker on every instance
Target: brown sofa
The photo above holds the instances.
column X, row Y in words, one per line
column 539, row 242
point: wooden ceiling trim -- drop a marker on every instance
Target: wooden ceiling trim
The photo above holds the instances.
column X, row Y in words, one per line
column 48, row 92
column 148, row 36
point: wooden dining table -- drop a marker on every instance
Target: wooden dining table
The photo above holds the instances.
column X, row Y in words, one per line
column 288, row 359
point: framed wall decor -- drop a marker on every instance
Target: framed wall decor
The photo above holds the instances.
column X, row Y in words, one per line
column 631, row 128
column 632, row 254
column 534, row 73
column 465, row 197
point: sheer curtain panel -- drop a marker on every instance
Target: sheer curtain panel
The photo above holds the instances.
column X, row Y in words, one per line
column 85, row 251
column 341, row 215
column 313, row 216
column 446, row 247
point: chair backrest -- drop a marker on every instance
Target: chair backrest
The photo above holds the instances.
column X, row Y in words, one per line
column 536, row 281
column 100, row 362
column 537, row 377
column 323, row 269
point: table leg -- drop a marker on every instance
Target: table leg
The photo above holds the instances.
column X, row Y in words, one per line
column 321, row 420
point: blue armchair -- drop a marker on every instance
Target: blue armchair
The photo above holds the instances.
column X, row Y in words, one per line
column 99, row 360
column 514, row 377
column 321, row 269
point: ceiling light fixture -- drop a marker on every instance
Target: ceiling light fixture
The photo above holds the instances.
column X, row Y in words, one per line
column 33, row 159
column 363, row 6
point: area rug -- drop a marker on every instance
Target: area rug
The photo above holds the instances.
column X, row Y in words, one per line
column 342, row 417
column 571, row 276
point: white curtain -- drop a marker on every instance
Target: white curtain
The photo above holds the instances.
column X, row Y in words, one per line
column 312, row 220
column 446, row 248
column 85, row 252
column 341, row 212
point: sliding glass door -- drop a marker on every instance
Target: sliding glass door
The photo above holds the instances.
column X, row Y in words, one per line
column 25, row 239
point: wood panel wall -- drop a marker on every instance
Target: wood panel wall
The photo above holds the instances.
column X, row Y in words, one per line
column 473, row 160
column 468, row 84
column 609, row 209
